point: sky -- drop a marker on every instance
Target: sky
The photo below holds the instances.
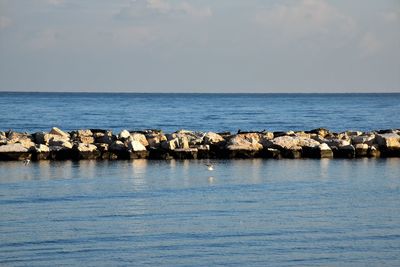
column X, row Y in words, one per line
column 228, row 46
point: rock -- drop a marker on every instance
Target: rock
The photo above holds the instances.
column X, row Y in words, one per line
column 140, row 138
column 41, row 152
column 14, row 152
column 271, row 153
column 53, row 142
column 239, row 147
column 211, row 138
column 104, row 137
column 374, row 152
column 86, row 151
column 169, row 145
column 363, row 139
column 155, row 138
column 190, row 153
column 117, row 146
column 389, row 144
column 335, row 142
column 239, row 142
column 57, row 131
column 361, row 150
column 16, row 147
column 83, row 136
column 389, row 140
column 347, row 151
column 319, row 151
column 124, row 135
column 319, row 131
column 136, row 146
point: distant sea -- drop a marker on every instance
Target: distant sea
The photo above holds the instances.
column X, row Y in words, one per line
column 204, row 112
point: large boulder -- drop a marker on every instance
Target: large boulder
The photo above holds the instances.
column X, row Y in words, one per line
column 14, row 152
column 86, row 151
column 347, row 151
column 83, row 136
column 389, row 144
column 59, row 132
column 155, row 138
column 124, row 135
column 139, row 137
column 363, row 139
column 240, row 147
column 292, row 146
column 41, row 152
column 211, row 138
column 135, row 145
column 318, row 151
column 104, row 137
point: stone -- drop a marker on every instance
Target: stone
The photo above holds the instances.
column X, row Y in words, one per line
column 57, row 131
column 389, row 140
column 211, row 138
column 86, row 151
column 271, row 153
column 190, row 153
column 14, row 152
column 140, row 138
column 104, row 138
column 361, row 150
column 319, row 131
column 239, row 147
column 374, row 152
column 59, row 143
column 136, row 146
column 41, row 152
column 124, row 135
column 347, row 151
column 16, row 147
column 155, row 138
column 363, row 139
column 117, row 146
column 83, row 136
column 319, row 151
column 170, row 144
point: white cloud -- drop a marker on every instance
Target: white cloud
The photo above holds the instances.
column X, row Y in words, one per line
column 370, row 44
column 306, row 17
column 4, row 22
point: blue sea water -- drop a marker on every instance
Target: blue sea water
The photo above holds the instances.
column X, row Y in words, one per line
column 171, row 213
column 207, row 112
column 177, row 213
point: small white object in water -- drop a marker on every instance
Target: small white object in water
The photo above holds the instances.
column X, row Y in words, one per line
column 210, row 167
column 27, row 161
column 210, row 179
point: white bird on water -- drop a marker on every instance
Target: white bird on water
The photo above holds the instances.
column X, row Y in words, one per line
column 27, row 161
column 210, row 167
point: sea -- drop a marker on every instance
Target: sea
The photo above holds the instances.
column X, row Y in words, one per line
column 254, row 212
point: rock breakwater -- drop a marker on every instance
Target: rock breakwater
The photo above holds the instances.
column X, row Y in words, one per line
column 183, row 144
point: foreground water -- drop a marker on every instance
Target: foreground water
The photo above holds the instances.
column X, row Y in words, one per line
column 177, row 213
column 207, row 112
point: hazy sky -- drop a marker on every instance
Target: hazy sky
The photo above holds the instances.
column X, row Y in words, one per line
column 200, row 46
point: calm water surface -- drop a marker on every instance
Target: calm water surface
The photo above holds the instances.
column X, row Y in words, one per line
column 207, row 112
column 171, row 213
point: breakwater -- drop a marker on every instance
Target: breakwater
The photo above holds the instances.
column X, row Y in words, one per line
column 183, row 144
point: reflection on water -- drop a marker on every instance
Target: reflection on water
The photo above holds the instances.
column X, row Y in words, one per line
column 244, row 212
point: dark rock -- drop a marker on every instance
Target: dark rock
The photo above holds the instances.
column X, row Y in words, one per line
column 344, row 151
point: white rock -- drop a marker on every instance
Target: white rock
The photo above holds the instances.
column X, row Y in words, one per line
column 13, row 148
column 136, row 146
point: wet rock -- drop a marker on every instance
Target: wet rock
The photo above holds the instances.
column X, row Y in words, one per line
column 389, row 140
column 189, row 153
column 271, row 153
column 347, row 151
column 389, row 144
column 318, row 151
column 374, row 152
column 361, row 150
column 83, row 136
column 41, row 152
column 14, row 152
column 86, row 151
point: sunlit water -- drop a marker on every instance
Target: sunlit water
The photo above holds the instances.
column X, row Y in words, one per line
column 177, row 213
